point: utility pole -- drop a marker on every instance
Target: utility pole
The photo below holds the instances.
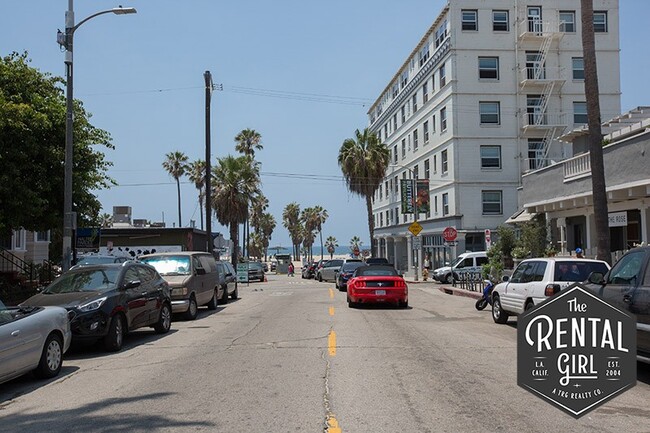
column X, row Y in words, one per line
column 208, row 169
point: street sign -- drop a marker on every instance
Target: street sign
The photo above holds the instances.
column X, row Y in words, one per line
column 415, row 228
column 449, row 234
column 417, row 243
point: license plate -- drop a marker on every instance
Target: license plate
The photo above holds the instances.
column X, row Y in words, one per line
column 380, row 292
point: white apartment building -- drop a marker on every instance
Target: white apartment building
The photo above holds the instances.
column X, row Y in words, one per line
column 480, row 101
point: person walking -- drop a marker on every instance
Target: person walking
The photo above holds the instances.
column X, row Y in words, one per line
column 579, row 253
column 290, row 270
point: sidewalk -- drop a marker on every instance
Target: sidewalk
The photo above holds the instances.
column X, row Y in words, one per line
column 445, row 288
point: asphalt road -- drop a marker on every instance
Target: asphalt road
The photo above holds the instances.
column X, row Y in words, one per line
column 289, row 356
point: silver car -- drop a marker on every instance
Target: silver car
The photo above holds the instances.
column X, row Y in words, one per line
column 32, row 339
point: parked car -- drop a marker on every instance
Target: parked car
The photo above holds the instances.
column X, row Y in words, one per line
column 32, row 339
column 227, row 281
column 627, row 287
column 535, row 280
column 309, row 269
column 319, row 266
column 274, row 265
column 345, row 273
column 328, row 271
column 377, row 261
column 466, row 262
column 255, row 271
column 192, row 277
column 377, row 284
column 93, row 259
column 107, row 301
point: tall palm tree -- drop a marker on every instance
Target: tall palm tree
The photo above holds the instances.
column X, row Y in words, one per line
column 265, row 229
column 331, row 243
column 176, row 164
column 310, row 218
column 321, row 217
column 291, row 221
column 106, row 220
column 355, row 244
column 248, row 141
column 196, row 174
column 595, row 133
column 363, row 161
column 236, row 181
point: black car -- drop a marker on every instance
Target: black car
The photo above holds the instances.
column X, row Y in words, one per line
column 345, row 273
column 309, row 269
column 106, row 301
column 255, row 271
column 377, row 261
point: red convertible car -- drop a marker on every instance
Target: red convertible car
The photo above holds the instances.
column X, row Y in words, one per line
column 377, row 284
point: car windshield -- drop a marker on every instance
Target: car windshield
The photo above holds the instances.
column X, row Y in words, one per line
column 169, row 265
column 254, row 265
column 85, row 280
column 348, row 267
column 456, row 261
column 334, row 263
column 376, row 271
column 577, row 271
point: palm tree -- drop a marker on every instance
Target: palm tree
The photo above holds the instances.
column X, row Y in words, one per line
column 236, row 182
column 355, row 245
column 291, row 221
column 331, row 243
column 248, row 141
column 363, row 161
column 265, row 229
column 595, row 133
column 196, row 174
column 106, row 220
column 321, row 217
column 176, row 164
column 310, row 219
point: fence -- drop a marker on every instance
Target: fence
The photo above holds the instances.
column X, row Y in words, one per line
column 472, row 281
column 19, row 278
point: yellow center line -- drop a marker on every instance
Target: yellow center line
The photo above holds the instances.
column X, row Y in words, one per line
column 331, row 343
column 333, row 425
column 331, row 311
column 331, row 294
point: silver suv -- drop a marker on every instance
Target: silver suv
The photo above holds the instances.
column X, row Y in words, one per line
column 535, row 280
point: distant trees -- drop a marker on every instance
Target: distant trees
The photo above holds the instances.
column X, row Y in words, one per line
column 331, row 243
column 291, row 221
column 355, row 245
column 196, row 174
column 176, row 164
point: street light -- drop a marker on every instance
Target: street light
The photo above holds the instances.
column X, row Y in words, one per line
column 66, row 41
column 414, row 205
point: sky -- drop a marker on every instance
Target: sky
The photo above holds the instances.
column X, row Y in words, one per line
column 301, row 73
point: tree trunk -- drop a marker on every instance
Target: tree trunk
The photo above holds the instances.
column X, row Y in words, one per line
column 321, row 243
column 595, row 133
column 234, row 230
column 371, row 226
column 178, row 190
column 201, row 213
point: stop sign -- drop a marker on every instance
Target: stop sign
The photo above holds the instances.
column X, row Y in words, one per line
column 449, row 234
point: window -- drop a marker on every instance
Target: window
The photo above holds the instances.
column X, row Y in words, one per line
column 404, row 79
column 415, row 102
column 433, row 123
column 488, row 68
column 395, row 154
column 381, row 219
column 403, row 111
column 43, row 236
column 388, row 218
column 395, row 89
column 568, row 21
column 403, row 148
column 425, row 92
column 385, row 129
column 435, row 164
column 490, row 156
column 435, row 204
column 19, row 240
column 489, row 112
column 387, row 190
column 579, row 112
column 427, row 172
column 578, row 65
column 441, row 33
column 500, row 21
column 469, row 20
column 600, row 22
column 534, row 109
column 395, row 122
column 381, row 194
column 442, row 76
column 445, row 204
column 425, row 131
column 443, row 119
column 492, row 202
column 415, row 139
column 444, row 161
column 535, row 68
column 535, row 153
column 396, row 183
column 424, row 54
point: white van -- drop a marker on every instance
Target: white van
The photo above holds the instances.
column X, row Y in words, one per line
column 466, row 262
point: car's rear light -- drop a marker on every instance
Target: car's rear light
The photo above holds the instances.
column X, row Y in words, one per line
column 400, row 284
column 551, row 289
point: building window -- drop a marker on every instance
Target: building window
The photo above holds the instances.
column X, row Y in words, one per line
column 404, row 79
column 381, row 219
column 387, row 189
column 425, row 92
column 396, row 183
column 435, row 204
column 535, row 153
column 403, row 111
column 490, row 156
column 469, row 20
column 445, row 204
column 488, row 68
column 489, row 112
column 386, row 130
column 19, row 240
column 535, row 68
column 444, row 161
column 43, row 236
column 381, row 192
column 500, row 21
column 425, row 131
column 403, row 148
column 568, row 21
column 579, row 112
column 435, row 164
column 578, row 65
column 441, row 33
column 424, row 54
column 415, row 139
column 492, row 202
column 433, row 124
column 427, row 171
column 415, row 102
column 600, row 22
column 395, row 154
column 395, row 90
column 395, row 122
column 442, row 75
column 443, row 119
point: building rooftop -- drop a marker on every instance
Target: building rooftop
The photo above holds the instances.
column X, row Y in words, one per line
column 633, row 122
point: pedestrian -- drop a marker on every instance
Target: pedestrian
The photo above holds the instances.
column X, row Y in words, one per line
column 579, row 253
column 290, row 270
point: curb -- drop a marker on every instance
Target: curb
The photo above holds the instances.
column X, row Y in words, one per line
column 460, row 292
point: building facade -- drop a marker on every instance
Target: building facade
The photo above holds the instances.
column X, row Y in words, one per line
column 480, row 101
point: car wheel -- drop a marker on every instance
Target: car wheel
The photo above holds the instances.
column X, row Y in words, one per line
column 51, row 358
column 192, row 309
column 498, row 315
column 449, row 279
column 351, row 304
column 403, row 304
column 235, row 293
column 529, row 305
column 224, row 296
column 320, row 278
column 336, row 284
column 115, row 338
column 212, row 305
column 164, row 319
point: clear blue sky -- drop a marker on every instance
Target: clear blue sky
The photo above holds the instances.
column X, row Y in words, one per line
column 141, row 76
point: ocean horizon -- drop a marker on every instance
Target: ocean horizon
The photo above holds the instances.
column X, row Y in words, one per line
column 340, row 250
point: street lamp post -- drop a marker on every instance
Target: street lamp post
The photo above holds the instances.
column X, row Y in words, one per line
column 66, row 41
column 414, row 204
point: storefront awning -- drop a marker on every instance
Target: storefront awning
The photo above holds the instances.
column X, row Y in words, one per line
column 521, row 216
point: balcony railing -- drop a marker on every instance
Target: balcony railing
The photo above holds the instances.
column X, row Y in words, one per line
column 544, row 120
column 577, row 166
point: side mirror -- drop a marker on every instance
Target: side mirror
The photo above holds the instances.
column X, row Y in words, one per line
column 200, row 271
column 229, row 274
column 505, row 278
column 132, row 284
column 596, row 278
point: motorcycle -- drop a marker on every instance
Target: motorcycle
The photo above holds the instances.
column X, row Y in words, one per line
column 487, row 296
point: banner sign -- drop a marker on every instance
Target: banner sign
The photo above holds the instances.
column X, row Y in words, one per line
column 88, row 238
column 422, row 200
column 407, row 195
